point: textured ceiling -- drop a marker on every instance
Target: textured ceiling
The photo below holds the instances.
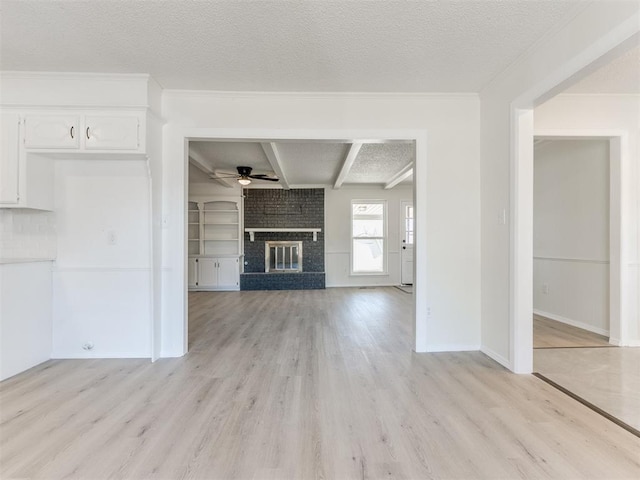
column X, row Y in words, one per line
column 226, row 156
column 398, row 46
column 379, row 162
column 306, row 163
column 621, row 75
column 312, row 163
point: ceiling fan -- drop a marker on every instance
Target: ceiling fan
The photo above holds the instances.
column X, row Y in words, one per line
column 243, row 176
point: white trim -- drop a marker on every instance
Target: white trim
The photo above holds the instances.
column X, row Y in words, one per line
column 573, row 323
column 195, row 94
column 77, row 356
column 572, row 260
column 496, row 357
column 521, row 241
column 384, row 238
column 599, row 95
column 176, row 139
column 98, row 268
column 347, row 163
column 270, row 150
column 453, row 347
column 619, row 343
column 400, row 176
column 253, row 231
column 136, row 108
column 73, row 75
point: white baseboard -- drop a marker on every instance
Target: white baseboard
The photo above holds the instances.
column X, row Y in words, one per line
column 362, row 286
column 573, row 323
column 89, row 356
column 619, row 343
column 452, row 347
column 496, row 356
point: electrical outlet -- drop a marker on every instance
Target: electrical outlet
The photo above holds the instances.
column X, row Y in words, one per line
column 545, row 288
column 428, row 311
column 88, row 346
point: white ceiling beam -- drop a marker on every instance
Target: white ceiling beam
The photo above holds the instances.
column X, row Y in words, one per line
column 347, row 164
column 200, row 163
column 401, row 176
column 271, row 151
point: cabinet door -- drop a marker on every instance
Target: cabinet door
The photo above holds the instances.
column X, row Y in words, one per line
column 51, row 131
column 207, row 272
column 192, row 280
column 228, row 273
column 9, row 158
column 110, row 132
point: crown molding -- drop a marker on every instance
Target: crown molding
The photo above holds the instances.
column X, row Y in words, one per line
column 74, row 75
column 409, row 96
column 598, row 95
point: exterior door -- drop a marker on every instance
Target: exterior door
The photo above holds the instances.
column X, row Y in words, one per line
column 406, row 252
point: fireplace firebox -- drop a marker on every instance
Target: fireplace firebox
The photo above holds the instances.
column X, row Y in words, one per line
column 283, row 256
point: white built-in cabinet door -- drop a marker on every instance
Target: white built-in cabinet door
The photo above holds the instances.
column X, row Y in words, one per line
column 207, row 272
column 52, row 131
column 228, row 273
column 110, row 132
column 192, row 272
column 9, row 158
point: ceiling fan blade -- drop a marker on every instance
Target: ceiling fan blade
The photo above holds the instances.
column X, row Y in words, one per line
column 213, row 175
column 264, row 177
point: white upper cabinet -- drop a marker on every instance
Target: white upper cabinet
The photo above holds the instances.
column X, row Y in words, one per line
column 111, row 133
column 83, row 132
column 52, row 131
column 9, row 158
column 26, row 181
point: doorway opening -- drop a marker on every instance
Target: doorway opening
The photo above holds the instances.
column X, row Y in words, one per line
column 227, row 142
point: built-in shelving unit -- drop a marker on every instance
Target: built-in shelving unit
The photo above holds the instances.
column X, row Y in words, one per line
column 215, row 243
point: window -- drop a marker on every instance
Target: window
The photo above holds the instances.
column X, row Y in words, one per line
column 368, row 236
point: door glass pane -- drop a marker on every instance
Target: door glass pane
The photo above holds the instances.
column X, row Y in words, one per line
column 408, row 222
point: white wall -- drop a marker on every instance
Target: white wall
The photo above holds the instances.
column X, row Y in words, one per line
column 597, row 29
column 338, row 234
column 101, row 281
column 620, row 115
column 25, row 316
column 571, row 232
column 27, row 234
column 449, row 182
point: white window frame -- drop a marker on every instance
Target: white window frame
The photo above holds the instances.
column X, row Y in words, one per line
column 384, row 238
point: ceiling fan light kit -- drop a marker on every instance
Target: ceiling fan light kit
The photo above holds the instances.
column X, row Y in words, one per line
column 244, row 176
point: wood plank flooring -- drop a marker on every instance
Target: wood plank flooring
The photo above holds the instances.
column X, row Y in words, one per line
column 549, row 333
column 301, row 385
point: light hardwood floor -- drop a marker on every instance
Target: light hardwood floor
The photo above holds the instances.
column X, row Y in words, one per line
column 548, row 333
column 297, row 385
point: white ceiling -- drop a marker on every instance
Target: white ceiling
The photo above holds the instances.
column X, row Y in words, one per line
column 383, row 46
column 398, row 46
column 304, row 163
